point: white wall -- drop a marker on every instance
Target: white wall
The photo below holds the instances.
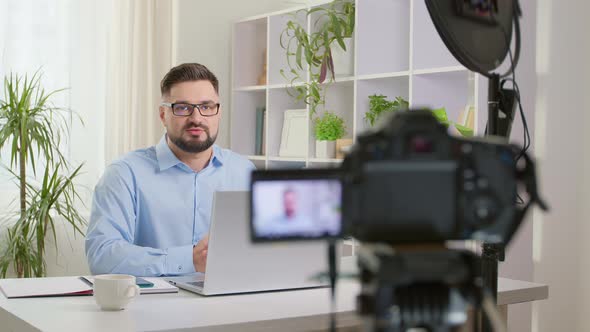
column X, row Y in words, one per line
column 584, row 288
column 561, row 249
column 204, row 36
column 519, row 254
column 88, row 33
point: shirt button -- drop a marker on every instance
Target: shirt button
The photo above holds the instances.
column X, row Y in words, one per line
column 179, row 267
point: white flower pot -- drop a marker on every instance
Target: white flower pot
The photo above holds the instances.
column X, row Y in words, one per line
column 325, row 149
column 343, row 61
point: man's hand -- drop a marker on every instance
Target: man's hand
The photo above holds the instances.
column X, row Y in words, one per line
column 200, row 254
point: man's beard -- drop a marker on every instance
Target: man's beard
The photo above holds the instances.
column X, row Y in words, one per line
column 194, row 146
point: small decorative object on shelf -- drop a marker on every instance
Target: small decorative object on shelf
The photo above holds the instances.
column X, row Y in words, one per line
column 467, row 117
column 343, row 146
column 325, row 149
column 378, row 106
column 262, row 77
column 260, row 128
column 294, row 137
column 328, row 129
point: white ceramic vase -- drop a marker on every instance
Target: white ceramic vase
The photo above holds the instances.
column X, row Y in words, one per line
column 325, row 149
column 343, row 60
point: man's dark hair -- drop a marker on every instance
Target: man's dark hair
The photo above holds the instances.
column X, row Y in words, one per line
column 188, row 72
column 288, row 190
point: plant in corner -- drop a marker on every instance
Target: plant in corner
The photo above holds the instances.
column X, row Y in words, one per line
column 328, row 128
column 34, row 129
column 441, row 115
column 379, row 105
column 311, row 53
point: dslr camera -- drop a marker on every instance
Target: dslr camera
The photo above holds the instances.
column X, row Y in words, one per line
column 407, row 182
column 403, row 191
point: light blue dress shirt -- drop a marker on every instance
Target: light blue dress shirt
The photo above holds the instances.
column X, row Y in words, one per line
column 149, row 209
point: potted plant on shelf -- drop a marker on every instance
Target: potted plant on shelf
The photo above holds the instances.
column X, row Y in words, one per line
column 442, row 117
column 312, row 53
column 328, row 128
column 33, row 129
column 379, row 105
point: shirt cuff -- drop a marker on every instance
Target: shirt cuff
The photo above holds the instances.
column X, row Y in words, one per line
column 180, row 260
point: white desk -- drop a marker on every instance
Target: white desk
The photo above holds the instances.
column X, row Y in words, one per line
column 285, row 311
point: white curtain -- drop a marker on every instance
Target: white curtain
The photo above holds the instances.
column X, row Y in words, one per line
column 64, row 39
column 140, row 53
column 33, row 36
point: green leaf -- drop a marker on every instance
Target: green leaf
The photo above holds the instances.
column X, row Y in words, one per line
column 463, row 130
column 441, row 114
column 337, row 31
column 298, row 56
column 308, row 56
column 313, row 10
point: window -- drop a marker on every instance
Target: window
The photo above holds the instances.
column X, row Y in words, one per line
column 34, row 35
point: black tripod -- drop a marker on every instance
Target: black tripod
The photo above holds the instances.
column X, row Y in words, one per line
column 432, row 289
column 491, row 255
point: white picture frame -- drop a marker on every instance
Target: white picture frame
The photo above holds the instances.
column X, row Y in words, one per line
column 295, row 134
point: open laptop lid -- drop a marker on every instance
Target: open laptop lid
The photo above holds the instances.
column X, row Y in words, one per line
column 236, row 265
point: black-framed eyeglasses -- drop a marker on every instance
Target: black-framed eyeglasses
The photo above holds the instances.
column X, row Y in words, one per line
column 186, row 109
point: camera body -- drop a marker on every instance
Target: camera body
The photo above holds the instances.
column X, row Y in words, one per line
column 407, row 182
column 412, row 182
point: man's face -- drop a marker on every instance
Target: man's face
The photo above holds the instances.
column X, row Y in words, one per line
column 290, row 203
column 194, row 133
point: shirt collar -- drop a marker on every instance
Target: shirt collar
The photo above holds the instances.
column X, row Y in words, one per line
column 217, row 157
column 167, row 159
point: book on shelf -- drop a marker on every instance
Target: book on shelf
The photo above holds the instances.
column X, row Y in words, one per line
column 260, row 129
column 263, row 152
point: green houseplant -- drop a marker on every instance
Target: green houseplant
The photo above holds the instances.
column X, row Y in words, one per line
column 34, row 129
column 442, row 117
column 379, row 105
column 311, row 53
column 328, row 128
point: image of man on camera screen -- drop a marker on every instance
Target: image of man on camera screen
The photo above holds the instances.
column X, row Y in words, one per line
column 297, row 208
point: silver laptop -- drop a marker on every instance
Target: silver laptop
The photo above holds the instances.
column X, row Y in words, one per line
column 235, row 265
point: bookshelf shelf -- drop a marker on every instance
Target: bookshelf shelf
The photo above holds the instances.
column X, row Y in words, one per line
column 383, row 75
column 329, row 160
column 439, row 70
column 256, row 158
column 251, row 88
column 290, row 159
column 395, row 51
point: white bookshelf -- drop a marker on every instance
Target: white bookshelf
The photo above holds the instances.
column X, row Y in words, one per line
column 396, row 52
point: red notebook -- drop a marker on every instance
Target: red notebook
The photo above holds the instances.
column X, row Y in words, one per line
column 38, row 287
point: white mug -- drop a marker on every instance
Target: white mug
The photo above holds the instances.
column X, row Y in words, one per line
column 114, row 291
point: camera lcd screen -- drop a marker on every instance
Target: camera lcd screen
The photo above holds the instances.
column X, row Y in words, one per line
column 288, row 205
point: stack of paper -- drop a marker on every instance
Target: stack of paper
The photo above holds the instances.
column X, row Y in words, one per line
column 67, row 286
column 36, row 287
